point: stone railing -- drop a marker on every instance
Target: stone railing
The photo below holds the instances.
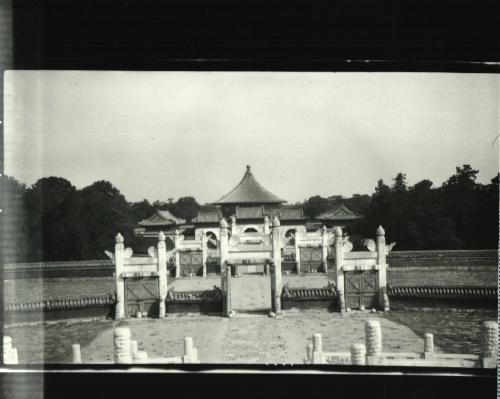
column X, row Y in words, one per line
column 126, row 351
column 84, row 264
column 61, row 304
column 214, row 295
column 442, row 292
column 303, row 294
column 371, row 353
column 483, row 257
column 9, row 352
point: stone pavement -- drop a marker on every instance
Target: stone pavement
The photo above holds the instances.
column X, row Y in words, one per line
column 251, row 293
column 253, row 338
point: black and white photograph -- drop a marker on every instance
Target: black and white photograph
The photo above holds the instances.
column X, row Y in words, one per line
column 257, row 218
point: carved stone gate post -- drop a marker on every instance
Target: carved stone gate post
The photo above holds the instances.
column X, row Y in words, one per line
column 276, row 274
column 225, row 270
column 162, row 273
column 382, row 266
column 177, row 254
column 120, row 284
column 204, row 252
column 339, row 263
column 324, row 249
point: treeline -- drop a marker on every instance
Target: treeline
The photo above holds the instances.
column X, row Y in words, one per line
column 460, row 214
column 54, row 221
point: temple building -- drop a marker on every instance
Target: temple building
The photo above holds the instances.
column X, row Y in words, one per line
column 248, row 208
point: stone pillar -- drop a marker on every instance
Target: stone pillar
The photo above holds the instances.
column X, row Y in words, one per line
column 233, row 224
column 324, row 248
column 120, row 283
column 428, row 346
column 373, row 338
column 188, row 350
column 77, row 355
column 7, row 350
column 358, row 354
column 339, row 263
column 204, row 252
column 177, row 236
column 489, row 344
column 381, row 262
column 266, row 225
column 276, row 276
column 162, row 273
column 309, row 354
column 225, row 270
column 122, row 347
column 317, row 349
column 297, row 251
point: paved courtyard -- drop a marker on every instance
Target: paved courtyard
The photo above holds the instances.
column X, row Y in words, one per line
column 252, row 338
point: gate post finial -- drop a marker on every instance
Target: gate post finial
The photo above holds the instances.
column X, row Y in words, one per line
column 380, row 231
column 120, row 283
column 119, row 239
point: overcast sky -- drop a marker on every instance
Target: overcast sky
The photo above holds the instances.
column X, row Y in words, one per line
column 157, row 135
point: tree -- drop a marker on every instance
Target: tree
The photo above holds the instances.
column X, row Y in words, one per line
column 185, row 208
column 104, row 212
column 14, row 227
column 51, row 213
column 315, row 206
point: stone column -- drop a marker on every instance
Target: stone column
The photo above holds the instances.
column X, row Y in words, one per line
column 162, row 273
column 339, row 263
column 276, row 276
column 122, row 346
column 489, row 344
column 428, row 346
column 358, row 354
column 381, row 262
column 324, row 248
column 204, row 252
column 120, row 283
column 373, row 338
column 77, row 355
column 177, row 236
column 225, row 270
column 266, row 225
column 233, row 224
column 7, row 350
column 297, row 250
column 317, row 349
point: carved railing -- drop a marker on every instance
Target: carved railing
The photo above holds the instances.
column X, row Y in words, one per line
column 484, row 257
column 213, row 296
column 61, row 304
column 371, row 352
column 13, row 267
column 303, row 294
column 442, row 292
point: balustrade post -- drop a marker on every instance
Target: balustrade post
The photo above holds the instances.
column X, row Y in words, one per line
column 324, row 248
column 76, row 352
column 177, row 236
column 317, row 355
column 489, row 343
column 428, row 346
column 382, row 265
column 162, row 273
column 373, row 338
column 276, row 276
column 225, row 269
column 358, row 354
column 204, row 252
column 120, row 282
column 339, row 263
column 122, row 347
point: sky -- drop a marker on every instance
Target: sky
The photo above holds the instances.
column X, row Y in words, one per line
column 160, row 135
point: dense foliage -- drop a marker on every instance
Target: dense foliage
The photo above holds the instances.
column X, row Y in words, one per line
column 52, row 220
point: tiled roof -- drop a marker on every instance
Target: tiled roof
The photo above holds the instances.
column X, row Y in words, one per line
column 340, row 212
column 208, row 217
column 161, row 218
column 258, row 212
column 249, row 191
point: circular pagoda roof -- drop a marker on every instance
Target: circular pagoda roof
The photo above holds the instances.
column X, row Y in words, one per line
column 249, row 192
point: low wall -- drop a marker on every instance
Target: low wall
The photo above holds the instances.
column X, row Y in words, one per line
column 87, row 268
column 99, row 306
column 483, row 257
column 309, row 298
column 206, row 301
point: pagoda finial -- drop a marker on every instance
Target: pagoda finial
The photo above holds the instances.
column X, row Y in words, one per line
column 248, row 169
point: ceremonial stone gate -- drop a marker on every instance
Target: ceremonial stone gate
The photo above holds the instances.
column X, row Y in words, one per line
column 360, row 276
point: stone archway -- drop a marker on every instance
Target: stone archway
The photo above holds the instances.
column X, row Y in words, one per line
column 250, row 230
